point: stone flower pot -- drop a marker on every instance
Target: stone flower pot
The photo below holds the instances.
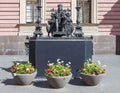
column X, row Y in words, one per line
column 92, row 80
column 58, row 82
column 24, row 79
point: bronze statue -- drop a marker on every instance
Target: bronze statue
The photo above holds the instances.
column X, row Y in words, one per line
column 60, row 23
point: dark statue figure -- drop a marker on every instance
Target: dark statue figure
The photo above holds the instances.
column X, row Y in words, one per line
column 60, row 23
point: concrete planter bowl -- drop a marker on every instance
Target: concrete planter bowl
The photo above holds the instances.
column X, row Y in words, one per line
column 58, row 82
column 24, row 79
column 92, row 80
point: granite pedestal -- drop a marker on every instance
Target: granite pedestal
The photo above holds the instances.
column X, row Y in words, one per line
column 75, row 50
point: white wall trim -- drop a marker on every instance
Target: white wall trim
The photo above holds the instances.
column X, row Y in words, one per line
column 43, row 10
column 22, row 11
column 94, row 11
column 73, row 10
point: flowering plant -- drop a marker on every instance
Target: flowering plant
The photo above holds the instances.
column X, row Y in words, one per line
column 92, row 68
column 58, row 69
column 22, row 68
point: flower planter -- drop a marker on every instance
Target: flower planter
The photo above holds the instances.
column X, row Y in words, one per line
column 58, row 82
column 92, row 80
column 24, row 79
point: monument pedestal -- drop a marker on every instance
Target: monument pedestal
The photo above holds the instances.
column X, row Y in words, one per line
column 75, row 50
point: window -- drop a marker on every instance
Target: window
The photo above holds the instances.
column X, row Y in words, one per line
column 31, row 12
column 85, row 11
column 29, row 15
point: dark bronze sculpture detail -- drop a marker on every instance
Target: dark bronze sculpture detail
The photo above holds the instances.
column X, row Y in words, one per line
column 38, row 33
column 60, row 23
column 78, row 29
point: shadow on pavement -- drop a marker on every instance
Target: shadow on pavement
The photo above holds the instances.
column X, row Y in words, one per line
column 9, row 82
column 42, row 84
column 77, row 82
column 5, row 69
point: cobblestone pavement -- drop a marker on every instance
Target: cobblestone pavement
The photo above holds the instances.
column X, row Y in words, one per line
column 110, row 83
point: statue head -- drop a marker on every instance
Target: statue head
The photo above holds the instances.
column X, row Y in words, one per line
column 52, row 15
column 68, row 14
column 60, row 7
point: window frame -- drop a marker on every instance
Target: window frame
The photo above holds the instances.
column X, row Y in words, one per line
column 82, row 2
column 33, row 2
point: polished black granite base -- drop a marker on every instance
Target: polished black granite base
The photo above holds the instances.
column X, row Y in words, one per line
column 75, row 50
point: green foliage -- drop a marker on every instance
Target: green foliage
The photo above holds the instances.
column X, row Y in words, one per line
column 58, row 69
column 92, row 68
column 22, row 68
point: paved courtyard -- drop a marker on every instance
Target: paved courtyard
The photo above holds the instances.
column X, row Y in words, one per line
column 110, row 83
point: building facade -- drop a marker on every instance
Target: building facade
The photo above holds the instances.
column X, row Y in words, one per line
column 99, row 18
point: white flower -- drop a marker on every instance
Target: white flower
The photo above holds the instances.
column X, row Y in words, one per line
column 17, row 63
column 90, row 60
column 99, row 63
column 48, row 61
column 50, row 64
column 27, row 69
column 84, row 69
column 69, row 62
column 104, row 66
column 67, row 65
column 58, row 60
column 62, row 61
